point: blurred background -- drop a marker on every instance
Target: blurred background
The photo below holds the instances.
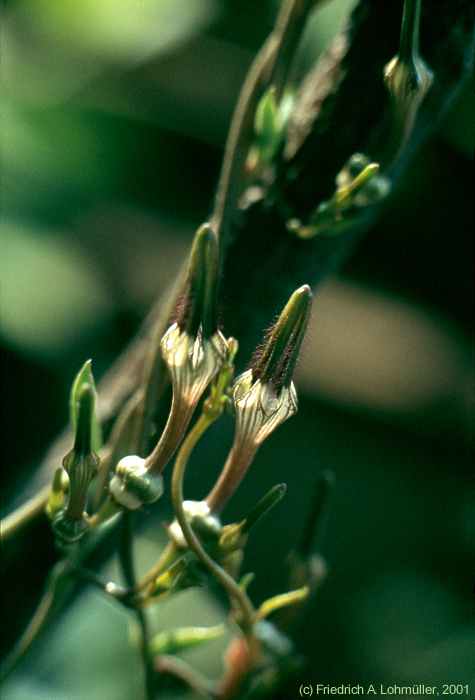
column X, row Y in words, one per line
column 114, row 120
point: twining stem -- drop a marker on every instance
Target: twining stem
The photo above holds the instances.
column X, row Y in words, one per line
column 53, row 596
column 409, row 43
column 41, row 616
column 178, row 668
column 128, row 571
column 237, row 595
column 270, row 66
column 289, row 27
column 14, row 523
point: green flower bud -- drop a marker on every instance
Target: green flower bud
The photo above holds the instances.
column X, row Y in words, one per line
column 132, row 485
column 270, row 124
column 197, row 310
column 81, row 462
column 206, row 525
column 234, row 536
column 275, row 362
column 264, row 396
column 193, row 348
column 407, row 77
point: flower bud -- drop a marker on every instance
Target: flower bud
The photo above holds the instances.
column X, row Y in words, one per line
column 132, row 485
column 206, row 525
column 193, row 348
column 358, row 185
column 81, row 462
column 234, row 536
column 407, row 77
column 264, row 396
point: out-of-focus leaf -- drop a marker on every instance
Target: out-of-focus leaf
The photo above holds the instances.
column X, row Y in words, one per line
column 50, row 296
column 56, row 147
column 322, row 26
column 118, row 30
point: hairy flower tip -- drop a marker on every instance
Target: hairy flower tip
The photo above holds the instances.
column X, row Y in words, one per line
column 193, row 361
column 197, row 311
column 275, row 361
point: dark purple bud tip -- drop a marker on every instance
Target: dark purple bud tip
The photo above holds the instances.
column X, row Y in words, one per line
column 275, row 361
column 198, row 306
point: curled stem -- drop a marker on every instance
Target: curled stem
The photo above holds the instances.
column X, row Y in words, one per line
column 178, row 668
column 40, row 618
column 237, row 595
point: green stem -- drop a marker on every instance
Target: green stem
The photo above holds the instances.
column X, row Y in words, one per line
column 409, row 43
column 128, row 571
column 269, row 66
column 14, row 523
column 37, row 623
column 236, row 594
column 178, row 668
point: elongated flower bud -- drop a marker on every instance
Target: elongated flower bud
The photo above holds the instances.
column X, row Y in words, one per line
column 193, row 348
column 264, row 396
column 235, row 535
column 407, row 76
column 81, row 465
